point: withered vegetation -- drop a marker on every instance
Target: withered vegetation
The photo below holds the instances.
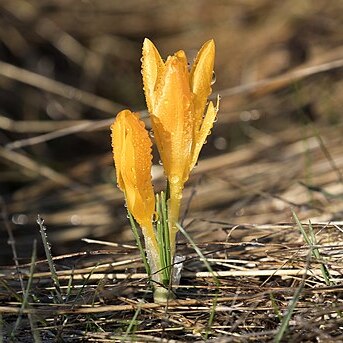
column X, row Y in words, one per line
column 264, row 205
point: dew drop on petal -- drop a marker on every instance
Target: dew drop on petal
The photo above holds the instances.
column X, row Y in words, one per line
column 151, row 133
column 155, row 217
column 174, row 179
column 160, row 162
column 179, row 196
column 214, row 78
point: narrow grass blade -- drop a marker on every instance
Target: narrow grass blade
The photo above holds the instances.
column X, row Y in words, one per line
column 129, row 329
column 166, row 236
column 311, row 241
column 26, row 299
column 47, row 249
column 324, row 269
column 79, row 293
column 69, row 286
column 201, row 255
column 275, row 307
column 302, row 230
column 163, row 237
column 287, row 317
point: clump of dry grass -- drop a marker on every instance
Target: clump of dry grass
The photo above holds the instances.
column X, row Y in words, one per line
column 103, row 295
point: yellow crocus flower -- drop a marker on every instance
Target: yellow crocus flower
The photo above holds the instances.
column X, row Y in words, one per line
column 177, row 101
column 132, row 157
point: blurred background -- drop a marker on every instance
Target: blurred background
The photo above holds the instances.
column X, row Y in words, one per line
column 67, row 67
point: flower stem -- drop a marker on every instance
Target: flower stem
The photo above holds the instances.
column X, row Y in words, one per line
column 174, row 204
column 139, row 243
column 162, row 293
column 163, row 237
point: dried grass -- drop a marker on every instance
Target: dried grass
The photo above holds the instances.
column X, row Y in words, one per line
column 67, row 67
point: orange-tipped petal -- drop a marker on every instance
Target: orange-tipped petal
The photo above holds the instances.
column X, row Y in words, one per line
column 201, row 78
column 152, row 69
column 132, row 157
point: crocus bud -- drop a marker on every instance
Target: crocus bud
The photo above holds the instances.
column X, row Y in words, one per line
column 181, row 118
column 132, row 157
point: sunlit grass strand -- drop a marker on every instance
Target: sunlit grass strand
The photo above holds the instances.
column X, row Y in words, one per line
column 46, row 244
column 311, row 241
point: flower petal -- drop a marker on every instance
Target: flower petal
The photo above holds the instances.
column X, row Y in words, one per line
column 152, row 69
column 200, row 79
column 172, row 118
column 205, row 129
column 132, row 157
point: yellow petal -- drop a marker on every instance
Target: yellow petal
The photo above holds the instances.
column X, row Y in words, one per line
column 132, row 158
column 172, row 118
column 204, row 131
column 176, row 100
column 201, row 78
column 152, row 69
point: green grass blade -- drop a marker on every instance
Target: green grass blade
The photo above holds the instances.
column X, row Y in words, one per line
column 301, row 228
column 310, row 239
column 324, row 269
column 287, row 317
column 199, row 252
column 163, row 238
column 47, row 249
column 84, row 284
column 25, row 300
column 165, row 227
column 275, row 306
column 70, row 285
column 129, row 329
